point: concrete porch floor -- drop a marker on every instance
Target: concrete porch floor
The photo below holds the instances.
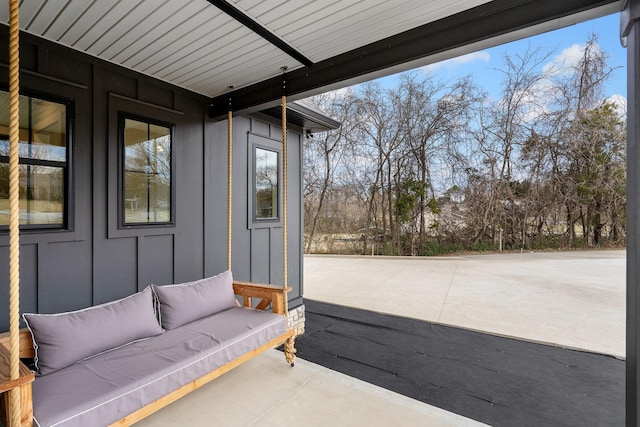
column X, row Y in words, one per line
column 267, row 392
column 570, row 299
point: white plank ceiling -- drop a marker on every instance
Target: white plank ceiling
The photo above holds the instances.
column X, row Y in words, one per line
column 193, row 44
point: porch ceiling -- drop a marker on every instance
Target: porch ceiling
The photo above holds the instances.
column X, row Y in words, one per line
column 208, row 45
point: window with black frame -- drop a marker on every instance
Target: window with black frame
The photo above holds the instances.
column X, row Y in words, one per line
column 266, row 183
column 44, row 152
column 146, row 195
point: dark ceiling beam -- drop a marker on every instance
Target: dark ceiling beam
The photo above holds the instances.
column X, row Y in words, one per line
column 486, row 21
column 262, row 31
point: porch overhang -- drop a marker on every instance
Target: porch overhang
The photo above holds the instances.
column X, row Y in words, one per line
column 305, row 115
column 206, row 46
column 489, row 24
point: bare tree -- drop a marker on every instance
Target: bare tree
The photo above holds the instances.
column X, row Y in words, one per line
column 323, row 155
column 428, row 164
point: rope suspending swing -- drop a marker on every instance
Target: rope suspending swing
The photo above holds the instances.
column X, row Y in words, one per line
column 14, row 214
column 289, row 344
column 229, row 176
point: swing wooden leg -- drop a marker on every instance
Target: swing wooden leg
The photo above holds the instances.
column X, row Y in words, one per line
column 26, row 405
column 290, row 350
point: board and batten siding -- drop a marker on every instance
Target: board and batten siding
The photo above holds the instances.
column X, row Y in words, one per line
column 95, row 261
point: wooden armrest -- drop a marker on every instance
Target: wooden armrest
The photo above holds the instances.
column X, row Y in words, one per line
column 241, row 288
column 22, row 383
column 26, row 343
column 26, row 376
column 269, row 294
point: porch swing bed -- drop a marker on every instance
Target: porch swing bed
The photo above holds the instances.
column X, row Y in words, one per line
column 125, row 383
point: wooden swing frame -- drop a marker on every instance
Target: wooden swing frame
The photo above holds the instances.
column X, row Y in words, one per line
column 267, row 295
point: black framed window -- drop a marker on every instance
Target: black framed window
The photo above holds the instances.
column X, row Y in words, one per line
column 146, row 195
column 44, row 162
column 265, row 182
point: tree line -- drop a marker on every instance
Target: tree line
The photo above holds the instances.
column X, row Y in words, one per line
column 432, row 166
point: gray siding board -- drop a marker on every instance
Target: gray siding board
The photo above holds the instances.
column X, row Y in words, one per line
column 215, row 198
column 242, row 248
column 294, row 190
column 28, row 281
column 115, row 273
column 63, row 66
column 29, row 256
column 155, row 260
column 260, row 127
column 155, row 94
column 297, row 299
column 64, row 273
column 260, row 259
column 275, row 261
column 95, row 261
column 189, row 198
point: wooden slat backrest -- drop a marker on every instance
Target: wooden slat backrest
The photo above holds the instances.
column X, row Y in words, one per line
column 26, row 343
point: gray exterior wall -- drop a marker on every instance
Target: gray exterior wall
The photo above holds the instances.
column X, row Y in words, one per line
column 257, row 251
column 95, row 261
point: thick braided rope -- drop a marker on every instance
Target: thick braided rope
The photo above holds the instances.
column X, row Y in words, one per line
column 284, row 202
column 14, row 197
column 229, row 183
column 289, row 348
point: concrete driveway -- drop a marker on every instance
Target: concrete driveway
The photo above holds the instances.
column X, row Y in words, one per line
column 570, row 299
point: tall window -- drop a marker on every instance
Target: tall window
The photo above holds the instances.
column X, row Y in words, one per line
column 43, row 151
column 266, row 184
column 147, row 178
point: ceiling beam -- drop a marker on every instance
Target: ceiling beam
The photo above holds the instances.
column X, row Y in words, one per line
column 262, row 31
column 483, row 22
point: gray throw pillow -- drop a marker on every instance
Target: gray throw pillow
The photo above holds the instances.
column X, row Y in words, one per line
column 186, row 302
column 64, row 338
